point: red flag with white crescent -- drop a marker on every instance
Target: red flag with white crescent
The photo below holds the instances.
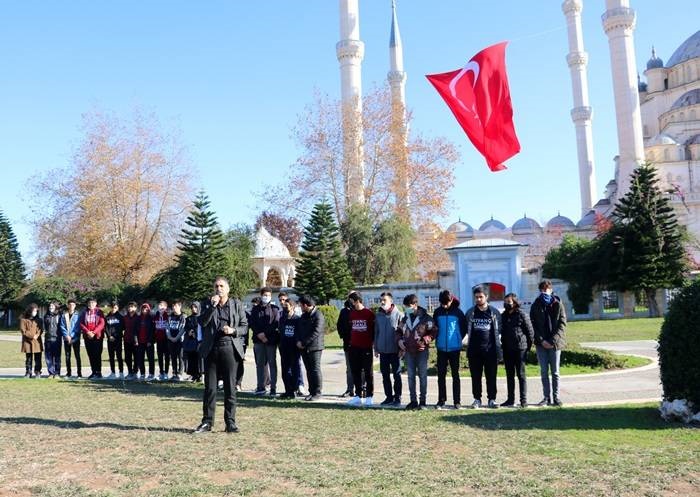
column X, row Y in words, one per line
column 479, row 97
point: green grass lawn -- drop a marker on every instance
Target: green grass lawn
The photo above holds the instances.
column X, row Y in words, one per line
column 109, row 440
column 614, row 330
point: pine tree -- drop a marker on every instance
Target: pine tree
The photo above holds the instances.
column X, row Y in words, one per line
column 322, row 270
column 12, row 270
column 645, row 243
column 202, row 251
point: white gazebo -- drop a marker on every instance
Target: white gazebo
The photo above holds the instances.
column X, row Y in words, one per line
column 272, row 255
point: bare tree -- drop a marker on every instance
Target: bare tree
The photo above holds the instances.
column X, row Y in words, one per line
column 115, row 211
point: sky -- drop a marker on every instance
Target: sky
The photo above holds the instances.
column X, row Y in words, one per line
column 234, row 76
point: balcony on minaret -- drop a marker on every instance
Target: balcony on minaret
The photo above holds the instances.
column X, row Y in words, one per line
column 619, row 17
column 577, row 59
column 579, row 114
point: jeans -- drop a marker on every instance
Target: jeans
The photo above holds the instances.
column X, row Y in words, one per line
column 115, row 349
column 52, row 351
column 265, row 360
column 417, row 364
column 361, row 361
column 549, row 361
column 390, row 365
column 312, row 362
column 289, row 355
column 143, row 350
column 163, row 356
column 175, row 353
column 350, row 383
column 94, row 351
column 36, row 356
column 130, row 357
column 514, row 360
column 486, row 362
column 443, row 358
column 220, row 363
column 74, row 346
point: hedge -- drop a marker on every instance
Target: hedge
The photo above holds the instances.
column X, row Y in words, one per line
column 679, row 347
column 330, row 313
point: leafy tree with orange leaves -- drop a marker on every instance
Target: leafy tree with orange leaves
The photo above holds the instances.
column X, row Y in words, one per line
column 115, row 211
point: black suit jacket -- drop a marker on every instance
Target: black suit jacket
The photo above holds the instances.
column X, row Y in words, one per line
column 210, row 326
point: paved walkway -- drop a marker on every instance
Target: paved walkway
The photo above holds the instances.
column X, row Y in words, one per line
column 629, row 385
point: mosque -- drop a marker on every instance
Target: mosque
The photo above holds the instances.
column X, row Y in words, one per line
column 658, row 119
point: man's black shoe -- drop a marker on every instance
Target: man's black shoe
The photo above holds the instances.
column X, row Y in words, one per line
column 411, row 406
column 544, row 402
column 508, row 403
column 387, row 401
column 232, row 428
column 347, row 393
column 557, row 402
column 313, row 398
column 203, row 428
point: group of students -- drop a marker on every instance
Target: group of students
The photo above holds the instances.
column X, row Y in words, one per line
column 132, row 338
column 487, row 334
column 393, row 335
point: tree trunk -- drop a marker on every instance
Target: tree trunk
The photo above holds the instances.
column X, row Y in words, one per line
column 651, row 302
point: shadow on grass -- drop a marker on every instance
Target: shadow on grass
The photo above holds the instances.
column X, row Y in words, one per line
column 190, row 393
column 582, row 418
column 80, row 425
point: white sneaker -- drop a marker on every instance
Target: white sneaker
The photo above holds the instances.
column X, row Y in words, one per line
column 369, row 401
column 476, row 404
column 150, row 377
column 111, row 376
column 121, row 376
column 354, row 402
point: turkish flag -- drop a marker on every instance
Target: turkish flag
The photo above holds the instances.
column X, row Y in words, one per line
column 479, row 97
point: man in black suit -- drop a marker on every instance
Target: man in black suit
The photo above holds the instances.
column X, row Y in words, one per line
column 224, row 326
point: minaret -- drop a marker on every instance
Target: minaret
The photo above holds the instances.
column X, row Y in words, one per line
column 618, row 23
column 582, row 112
column 350, row 51
column 399, row 129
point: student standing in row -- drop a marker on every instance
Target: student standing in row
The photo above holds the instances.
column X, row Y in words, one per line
column 160, row 326
column 451, row 330
column 30, row 326
column 264, row 321
column 516, row 339
column 130, row 332
column 114, row 331
column 175, row 334
column 92, row 324
column 289, row 353
column 414, row 335
column 70, row 332
column 190, row 345
column 361, row 345
column 52, row 340
column 144, row 343
column 386, row 323
column 483, row 347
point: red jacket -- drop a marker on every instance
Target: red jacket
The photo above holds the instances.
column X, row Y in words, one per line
column 93, row 321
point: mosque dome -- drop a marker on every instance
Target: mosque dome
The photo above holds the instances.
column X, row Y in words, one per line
column 689, row 49
column 587, row 221
column 525, row 225
column 560, row 221
column 689, row 98
column 655, row 62
column 458, row 227
column 269, row 247
column 661, row 139
column 492, row 224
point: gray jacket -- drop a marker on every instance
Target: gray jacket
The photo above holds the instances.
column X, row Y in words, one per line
column 496, row 328
column 385, row 326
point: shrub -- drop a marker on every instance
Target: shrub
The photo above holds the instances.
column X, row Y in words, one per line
column 679, row 347
column 330, row 313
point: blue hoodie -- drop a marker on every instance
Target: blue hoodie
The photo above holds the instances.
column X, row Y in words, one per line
column 451, row 327
column 70, row 326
